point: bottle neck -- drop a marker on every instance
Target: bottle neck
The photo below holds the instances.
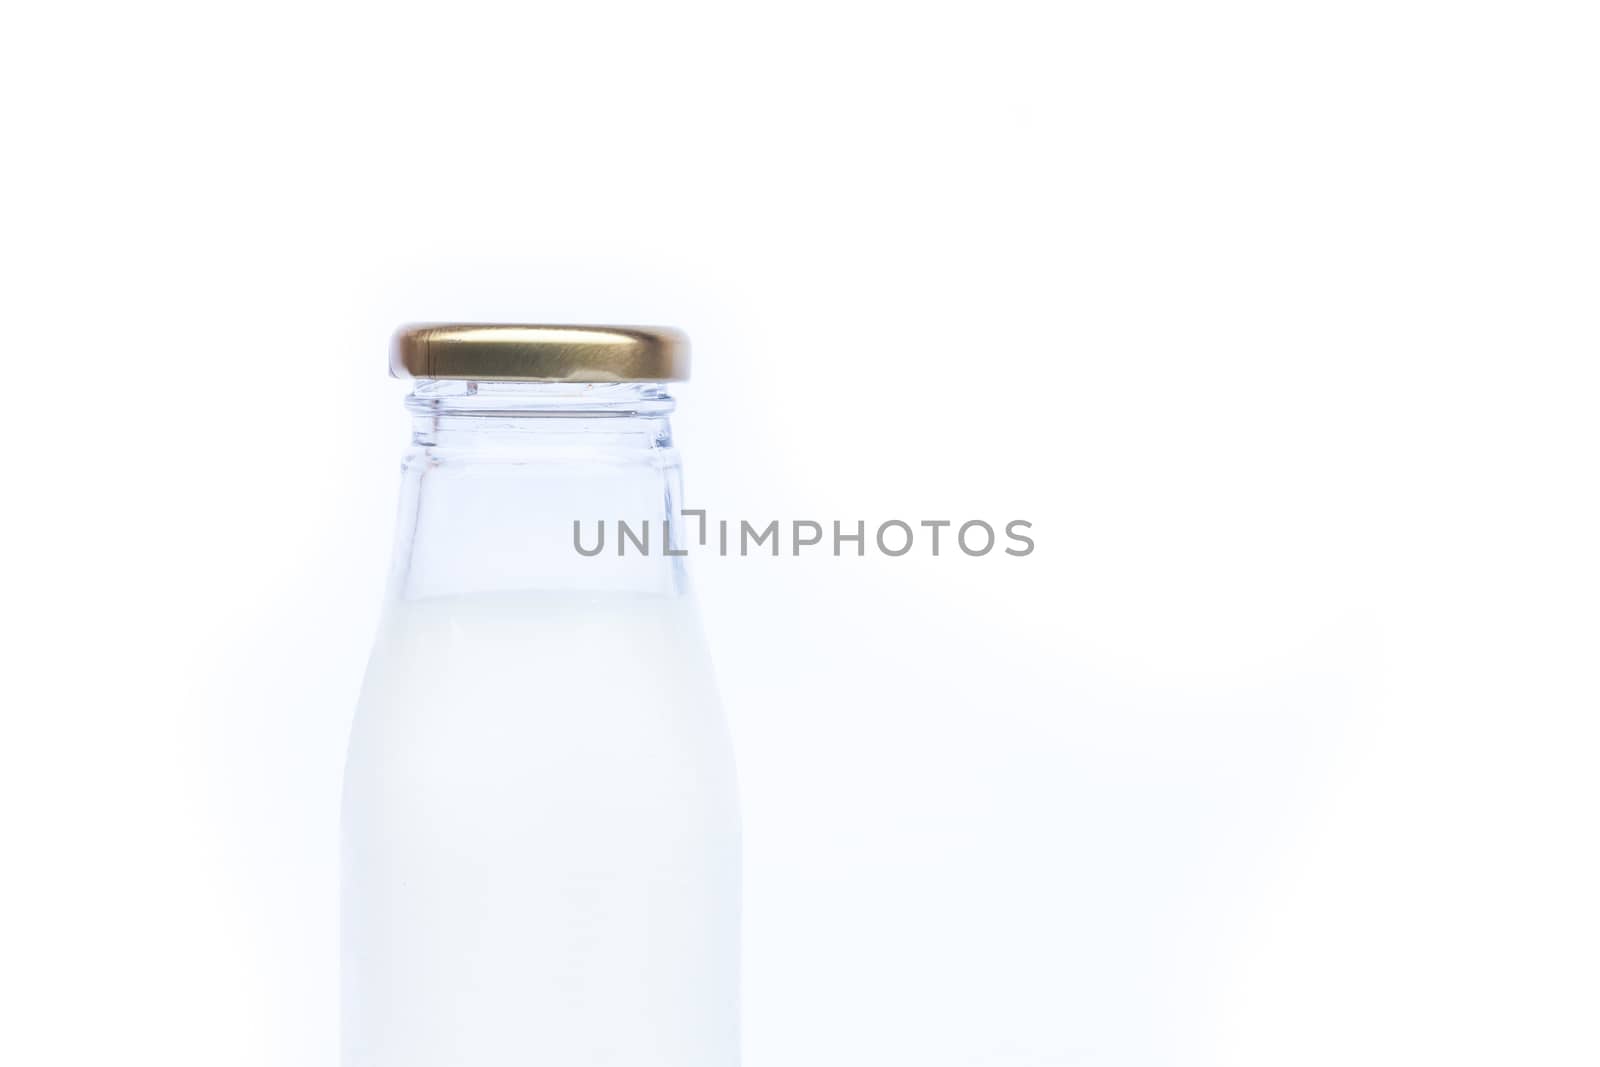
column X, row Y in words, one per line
column 505, row 481
column 433, row 400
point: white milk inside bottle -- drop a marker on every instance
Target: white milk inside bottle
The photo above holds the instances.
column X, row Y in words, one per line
column 540, row 829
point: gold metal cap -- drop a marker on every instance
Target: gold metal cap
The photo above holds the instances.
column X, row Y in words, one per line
column 501, row 352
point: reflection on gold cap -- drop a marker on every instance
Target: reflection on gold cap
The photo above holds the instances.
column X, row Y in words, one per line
column 495, row 352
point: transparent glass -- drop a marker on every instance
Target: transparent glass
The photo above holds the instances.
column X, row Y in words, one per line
column 540, row 832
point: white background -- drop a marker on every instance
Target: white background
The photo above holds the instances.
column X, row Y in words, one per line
column 1278, row 321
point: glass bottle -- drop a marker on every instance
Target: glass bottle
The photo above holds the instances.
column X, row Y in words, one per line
column 540, row 828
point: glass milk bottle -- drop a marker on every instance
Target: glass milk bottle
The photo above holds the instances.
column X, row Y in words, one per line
column 540, row 832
